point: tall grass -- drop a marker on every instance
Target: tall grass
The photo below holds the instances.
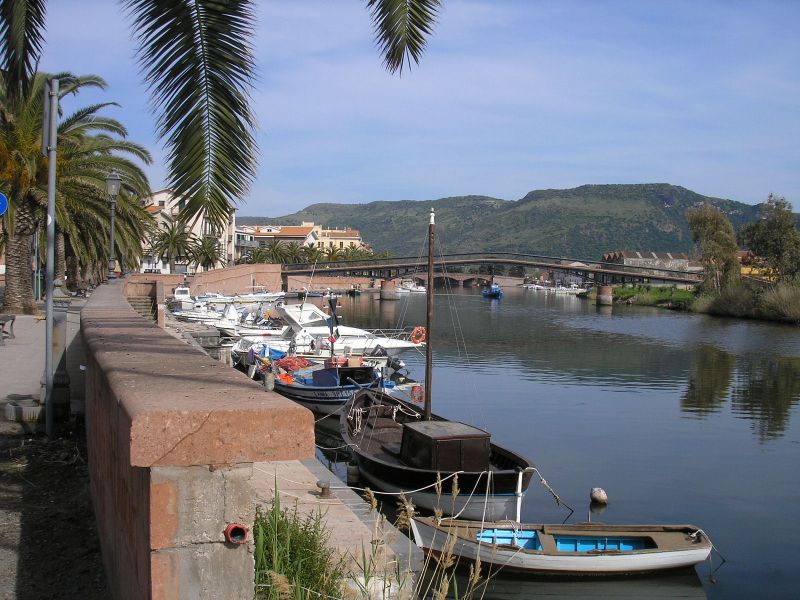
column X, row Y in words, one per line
column 781, row 303
column 670, row 297
column 292, row 556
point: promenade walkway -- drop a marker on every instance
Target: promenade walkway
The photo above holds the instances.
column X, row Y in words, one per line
column 48, row 540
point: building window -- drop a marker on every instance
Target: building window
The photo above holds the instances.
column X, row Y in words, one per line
column 341, row 244
column 161, row 203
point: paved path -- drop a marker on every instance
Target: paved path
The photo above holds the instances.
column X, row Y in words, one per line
column 21, row 366
column 30, row 478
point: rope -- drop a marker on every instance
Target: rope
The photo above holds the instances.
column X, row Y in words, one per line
column 557, row 498
column 404, row 491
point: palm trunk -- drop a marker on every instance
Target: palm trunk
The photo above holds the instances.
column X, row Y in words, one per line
column 60, row 268
column 19, row 280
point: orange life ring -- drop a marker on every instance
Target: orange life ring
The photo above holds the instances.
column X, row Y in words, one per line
column 416, row 393
column 418, row 335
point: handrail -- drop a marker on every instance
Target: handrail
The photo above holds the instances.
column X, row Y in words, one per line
column 509, row 257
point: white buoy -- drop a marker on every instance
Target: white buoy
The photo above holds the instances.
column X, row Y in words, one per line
column 599, row 496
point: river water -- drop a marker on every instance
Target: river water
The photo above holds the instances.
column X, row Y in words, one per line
column 681, row 418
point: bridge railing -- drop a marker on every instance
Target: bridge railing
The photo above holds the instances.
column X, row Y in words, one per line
column 540, row 260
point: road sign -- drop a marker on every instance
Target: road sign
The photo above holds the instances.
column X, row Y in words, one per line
column 3, row 204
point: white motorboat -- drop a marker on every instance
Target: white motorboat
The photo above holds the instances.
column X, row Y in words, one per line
column 409, row 286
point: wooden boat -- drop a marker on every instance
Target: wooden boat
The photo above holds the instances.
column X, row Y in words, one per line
column 583, row 549
column 401, row 447
column 398, row 450
column 324, row 388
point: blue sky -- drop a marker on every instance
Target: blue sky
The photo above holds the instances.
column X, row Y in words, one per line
column 510, row 97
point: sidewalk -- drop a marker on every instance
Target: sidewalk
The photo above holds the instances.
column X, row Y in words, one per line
column 48, row 540
column 21, row 368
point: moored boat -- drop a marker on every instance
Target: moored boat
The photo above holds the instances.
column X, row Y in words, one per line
column 493, row 291
column 583, row 549
column 404, row 448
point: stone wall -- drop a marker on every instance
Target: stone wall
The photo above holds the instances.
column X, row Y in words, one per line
column 297, row 283
column 172, row 435
column 239, row 279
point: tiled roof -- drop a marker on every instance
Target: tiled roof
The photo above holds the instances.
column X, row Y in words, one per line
column 338, row 233
column 623, row 254
column 153, row 209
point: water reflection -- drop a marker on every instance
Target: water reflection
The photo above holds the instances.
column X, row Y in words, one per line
column 683, row 584
column 709, row 383
column 766, row 390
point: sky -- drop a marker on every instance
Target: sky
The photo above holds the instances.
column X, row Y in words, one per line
column 510, row 96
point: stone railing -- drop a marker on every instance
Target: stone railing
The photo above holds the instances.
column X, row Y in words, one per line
column 172, row 436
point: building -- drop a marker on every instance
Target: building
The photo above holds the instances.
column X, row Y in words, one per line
column 673, row 261
column 165, row 208
column 249, row 237
column 338, row 238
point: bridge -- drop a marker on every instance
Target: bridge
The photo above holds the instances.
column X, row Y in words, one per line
column 596, row 272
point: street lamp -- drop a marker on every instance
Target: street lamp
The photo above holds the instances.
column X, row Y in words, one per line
column 113, row 183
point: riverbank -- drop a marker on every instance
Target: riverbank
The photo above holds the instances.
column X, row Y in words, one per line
column 746, row 300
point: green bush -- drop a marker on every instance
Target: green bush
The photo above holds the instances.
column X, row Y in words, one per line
column 292, row 556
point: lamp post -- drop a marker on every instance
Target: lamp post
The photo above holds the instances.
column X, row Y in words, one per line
column 113, row 183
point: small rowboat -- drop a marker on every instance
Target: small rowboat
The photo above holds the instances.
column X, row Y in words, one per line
column 584, row 549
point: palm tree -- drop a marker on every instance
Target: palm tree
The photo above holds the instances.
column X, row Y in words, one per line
column 274, row 252
column 206, row 252
column 171, row 242
column 87, row 155
column 293, row 253
column 312, row 254
column 332, row 254
column 197, row 59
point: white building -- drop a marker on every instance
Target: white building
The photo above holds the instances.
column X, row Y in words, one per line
column 165, row 207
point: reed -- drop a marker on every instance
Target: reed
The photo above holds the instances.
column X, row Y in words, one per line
column 781, row 303
column 292, row 556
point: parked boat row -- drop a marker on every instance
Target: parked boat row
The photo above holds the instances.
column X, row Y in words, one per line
column 572, row 289
column 400, row 446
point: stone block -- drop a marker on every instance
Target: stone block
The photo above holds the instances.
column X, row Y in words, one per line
column 203, row 571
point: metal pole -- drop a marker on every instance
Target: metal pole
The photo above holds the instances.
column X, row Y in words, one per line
column 429, row 322
column 51, row 242
column 112, row 263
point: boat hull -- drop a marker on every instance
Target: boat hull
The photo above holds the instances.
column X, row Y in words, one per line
column 323, row 400
column 611, row 563
column 466, row 505
column 495, row 491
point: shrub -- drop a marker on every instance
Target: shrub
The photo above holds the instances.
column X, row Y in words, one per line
column 292, row 556
column 781, row 303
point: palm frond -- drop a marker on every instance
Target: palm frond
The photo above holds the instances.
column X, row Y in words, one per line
column 401, row 28
column 22, row 27
column 197, row 60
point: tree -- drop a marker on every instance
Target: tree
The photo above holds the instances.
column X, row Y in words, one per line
column 197, row 60
column 89, row 145
column 205, row 252
column 774, row 240
column 274, row 252
column 312, row 254
column 293, row 253
column 171, row 242
column 713, row 234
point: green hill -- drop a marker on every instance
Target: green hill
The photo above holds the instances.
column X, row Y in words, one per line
column 582, row 222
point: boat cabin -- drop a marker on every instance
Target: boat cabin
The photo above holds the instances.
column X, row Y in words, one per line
column 445, row 446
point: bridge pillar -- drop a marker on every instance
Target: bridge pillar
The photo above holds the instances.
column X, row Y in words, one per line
column 605, row 295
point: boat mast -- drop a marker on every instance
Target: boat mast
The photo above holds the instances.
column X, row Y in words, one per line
column 429, row 322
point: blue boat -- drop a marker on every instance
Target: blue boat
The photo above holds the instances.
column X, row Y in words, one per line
column 493, row 291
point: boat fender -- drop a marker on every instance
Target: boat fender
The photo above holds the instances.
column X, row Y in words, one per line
column 598, row 495
column 416, row 393
column 418, row 335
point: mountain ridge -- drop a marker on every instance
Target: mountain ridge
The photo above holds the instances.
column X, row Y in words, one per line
column 580, row 222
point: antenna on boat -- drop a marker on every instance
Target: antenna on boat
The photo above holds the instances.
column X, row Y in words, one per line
column 429, row 320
